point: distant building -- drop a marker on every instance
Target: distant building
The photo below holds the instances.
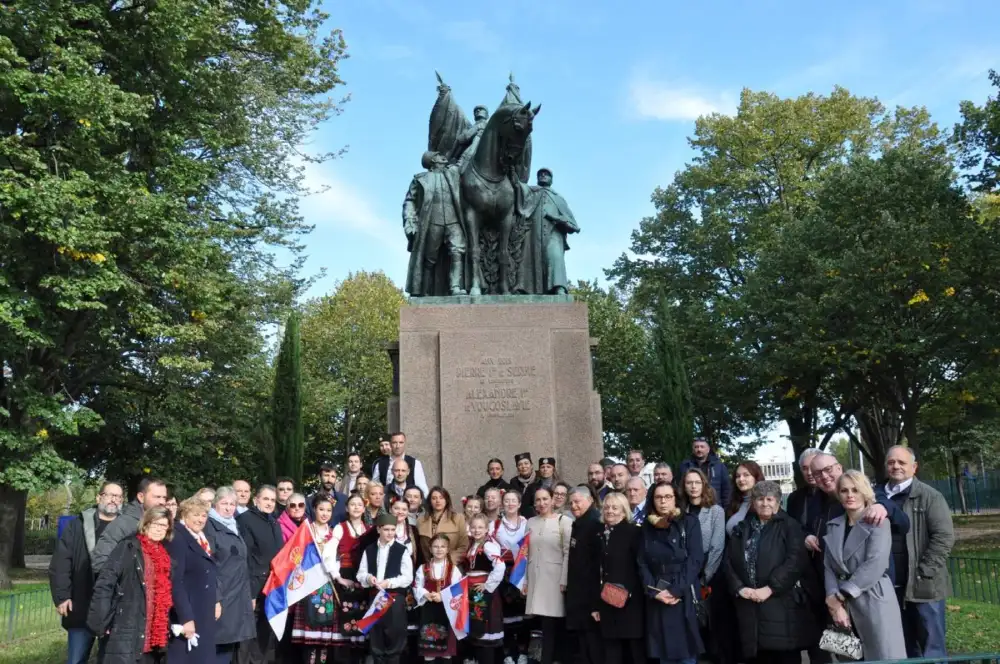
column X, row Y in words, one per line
column 781, row 472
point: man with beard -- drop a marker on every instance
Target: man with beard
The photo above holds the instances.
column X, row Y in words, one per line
column 619, row 477
column 350, row 478
column 662, row 473
column 595, row 478
column 151, row 493
column 71, row 576
column 328, row 485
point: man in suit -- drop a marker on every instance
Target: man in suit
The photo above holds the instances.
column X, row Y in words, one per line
column 635, row 491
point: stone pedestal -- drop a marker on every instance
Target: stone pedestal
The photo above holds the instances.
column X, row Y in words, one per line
column 495, row 376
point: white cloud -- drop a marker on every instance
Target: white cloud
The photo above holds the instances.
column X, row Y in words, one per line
column 658, row 100
column 334, row 202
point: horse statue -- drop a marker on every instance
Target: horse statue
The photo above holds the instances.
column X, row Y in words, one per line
column 492, row 177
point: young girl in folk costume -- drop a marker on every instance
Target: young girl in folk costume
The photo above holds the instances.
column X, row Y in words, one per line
column 493, row 504
column 341, row 557
column 508, row 530
column 473, row 506
column 437, row 639
column 314, row 618
column 485, row 568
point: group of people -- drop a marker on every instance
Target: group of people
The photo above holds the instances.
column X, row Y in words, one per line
column 634, row 564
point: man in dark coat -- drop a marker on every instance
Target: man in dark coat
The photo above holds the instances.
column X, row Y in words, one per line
column 583, row 581
column 151, row 493
column 71, row 577
column 262, row 535
column 799, row 500
column 705, row 460
column 328, row 486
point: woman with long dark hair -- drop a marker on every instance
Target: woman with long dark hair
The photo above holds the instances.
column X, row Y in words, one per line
column 440, row 517
column 494, row 468
column 314, row 617
column 341, row 557
column 745, row 476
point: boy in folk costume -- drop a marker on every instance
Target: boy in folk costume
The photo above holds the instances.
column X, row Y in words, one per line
column 485, row 568
column 387, row 565
column 437, row 638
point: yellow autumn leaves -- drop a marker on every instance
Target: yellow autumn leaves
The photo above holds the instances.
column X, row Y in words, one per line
column 97, row 257
column 921, row 296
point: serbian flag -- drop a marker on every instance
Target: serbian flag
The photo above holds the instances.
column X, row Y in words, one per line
column 455, row 599
column 378, row 608
column 296, row 572
column 519, row 572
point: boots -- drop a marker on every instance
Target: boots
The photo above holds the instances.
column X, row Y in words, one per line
column 455, row 274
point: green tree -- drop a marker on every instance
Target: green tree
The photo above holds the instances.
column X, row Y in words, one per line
column 347, row 375
column 141, row 194
column 753, row 174
column 623, row 373
column 676, row 421
column 286, row 414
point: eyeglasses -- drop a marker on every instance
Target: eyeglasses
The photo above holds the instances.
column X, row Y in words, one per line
column 296, row 505
column 159, row 525
column 112, row 496
column 828, row 471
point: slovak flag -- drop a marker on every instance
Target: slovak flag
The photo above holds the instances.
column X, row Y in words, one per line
column 378, row 608
column 296, row 572
column 455, row 599
column 519, row 572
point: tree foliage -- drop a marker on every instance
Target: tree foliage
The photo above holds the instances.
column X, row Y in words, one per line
column 623, row 370
column 286, row 410
column 676, row 421
column 141, row 193
column 347, row 376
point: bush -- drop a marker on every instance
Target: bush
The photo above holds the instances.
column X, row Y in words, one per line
column 40, row 542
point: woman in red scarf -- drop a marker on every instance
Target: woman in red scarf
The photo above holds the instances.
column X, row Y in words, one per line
column 132, row 596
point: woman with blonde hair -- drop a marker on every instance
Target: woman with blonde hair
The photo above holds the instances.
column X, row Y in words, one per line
column 135, row 578
column 859, row 593
column 621, row 628
column 374, row 503
column 195, row 582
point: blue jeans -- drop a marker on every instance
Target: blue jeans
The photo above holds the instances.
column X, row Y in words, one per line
column 81, row 640
column 923, row 628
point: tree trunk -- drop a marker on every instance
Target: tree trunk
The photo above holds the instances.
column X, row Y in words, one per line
column 910, row 430
column 800, row 433
column 881, row 428
column 959, row 480
column 10, row 499
column 17, row 557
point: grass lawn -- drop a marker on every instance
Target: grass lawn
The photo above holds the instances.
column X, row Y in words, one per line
column 49, row 648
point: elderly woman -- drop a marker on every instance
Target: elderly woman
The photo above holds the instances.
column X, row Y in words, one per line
column 135, row 578
column 583, row 582
column 293, row 516
column 670, row 560
column 768, row 571
column 856, row 569
column 195, row 587
column 236, row 624
column 621, row 627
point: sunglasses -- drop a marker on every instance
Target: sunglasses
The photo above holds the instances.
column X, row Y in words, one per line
column 296, row 504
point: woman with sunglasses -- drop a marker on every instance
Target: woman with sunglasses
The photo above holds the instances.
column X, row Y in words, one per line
column 293, row 516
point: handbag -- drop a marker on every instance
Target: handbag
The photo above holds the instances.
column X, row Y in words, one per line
column 841, row 643
column 700, row 607
column 614, row 594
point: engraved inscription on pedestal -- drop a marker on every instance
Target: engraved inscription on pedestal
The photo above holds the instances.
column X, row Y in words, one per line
column 497, row 387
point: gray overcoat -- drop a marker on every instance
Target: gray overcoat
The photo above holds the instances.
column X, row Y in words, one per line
column 858, row 569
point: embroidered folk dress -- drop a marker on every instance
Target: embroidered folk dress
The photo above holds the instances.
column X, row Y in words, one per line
column 314, row 617
column 341, row 558
column 509, row 535
column 437, row 639
column 484, row 564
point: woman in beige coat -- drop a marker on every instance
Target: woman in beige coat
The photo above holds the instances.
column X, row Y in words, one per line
column 548, row 565
column 440, row 518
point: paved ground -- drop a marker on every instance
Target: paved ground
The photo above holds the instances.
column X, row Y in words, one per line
column 37, row 562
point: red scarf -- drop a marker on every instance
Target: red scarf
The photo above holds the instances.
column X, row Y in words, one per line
column 158, row 623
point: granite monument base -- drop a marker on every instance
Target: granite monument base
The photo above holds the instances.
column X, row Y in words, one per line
column 494, row 376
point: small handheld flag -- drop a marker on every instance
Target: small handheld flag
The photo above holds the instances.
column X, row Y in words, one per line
column 519, row 572
column 455, row 599
column 376, row 611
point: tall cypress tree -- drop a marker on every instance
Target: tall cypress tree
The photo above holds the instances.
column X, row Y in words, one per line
column 286, row 408
column 676, row 418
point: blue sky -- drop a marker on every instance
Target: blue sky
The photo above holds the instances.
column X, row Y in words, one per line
column 621, row 84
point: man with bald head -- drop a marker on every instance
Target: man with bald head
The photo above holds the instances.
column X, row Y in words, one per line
column 635, row 491
column 920, row 556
